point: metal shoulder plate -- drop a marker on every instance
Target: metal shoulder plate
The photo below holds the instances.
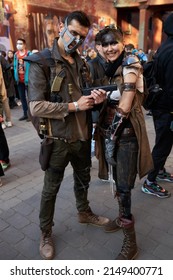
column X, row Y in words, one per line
column 130, row 59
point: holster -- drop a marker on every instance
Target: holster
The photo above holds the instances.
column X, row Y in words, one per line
column 45, row 153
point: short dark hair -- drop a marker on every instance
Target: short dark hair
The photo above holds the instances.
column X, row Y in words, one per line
column 129, row 47
column 80, row 16
column 98, row 39
column 21, row 39
column 3, row 53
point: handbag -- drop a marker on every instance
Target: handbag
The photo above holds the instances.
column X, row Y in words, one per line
column 45, row 153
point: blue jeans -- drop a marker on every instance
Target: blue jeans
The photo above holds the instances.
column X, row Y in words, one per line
column 163, row 141
column 22, row 93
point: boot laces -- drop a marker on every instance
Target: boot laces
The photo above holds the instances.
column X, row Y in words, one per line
column 127, row 245
column 94, row 217
column 47, row 238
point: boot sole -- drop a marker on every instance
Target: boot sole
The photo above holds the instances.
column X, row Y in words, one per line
column 135, row 255
column 113, row 230
column 91, row 224
column 129, row 259
column 50, row 258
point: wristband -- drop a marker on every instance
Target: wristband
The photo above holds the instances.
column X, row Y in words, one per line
column 76, row 106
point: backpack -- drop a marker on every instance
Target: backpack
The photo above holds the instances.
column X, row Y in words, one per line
column 41, row 124
column 153, row 89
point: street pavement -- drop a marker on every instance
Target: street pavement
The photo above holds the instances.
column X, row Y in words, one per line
column 20, row 199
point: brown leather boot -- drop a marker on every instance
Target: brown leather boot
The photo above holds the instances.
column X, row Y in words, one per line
column 114, row 225
column 129, row 249
column 88, row 217
column 47, row 250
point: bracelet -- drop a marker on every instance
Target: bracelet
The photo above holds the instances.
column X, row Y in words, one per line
column 76, row 106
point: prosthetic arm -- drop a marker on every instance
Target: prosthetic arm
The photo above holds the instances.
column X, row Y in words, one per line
column 115, row 131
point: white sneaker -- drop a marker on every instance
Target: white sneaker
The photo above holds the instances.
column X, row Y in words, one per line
column 0, row 183
column 9, row 124
column 3, row 126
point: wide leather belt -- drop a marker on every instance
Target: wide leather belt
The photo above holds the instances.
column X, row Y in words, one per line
column 128, row 131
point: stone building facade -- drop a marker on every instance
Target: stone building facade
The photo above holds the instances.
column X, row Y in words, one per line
column 140, row 20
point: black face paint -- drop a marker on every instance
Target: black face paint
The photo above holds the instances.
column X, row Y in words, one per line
column 106, row 44
column 110, row 39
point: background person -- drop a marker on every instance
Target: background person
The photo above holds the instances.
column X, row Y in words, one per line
column 162, row 113
column 9, row 91
column 15, row 97
column 4, row 150
column 21, row 69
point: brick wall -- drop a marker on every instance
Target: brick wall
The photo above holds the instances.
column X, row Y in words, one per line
column 101, row 9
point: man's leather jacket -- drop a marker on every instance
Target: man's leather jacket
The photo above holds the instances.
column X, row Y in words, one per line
column 66, row 88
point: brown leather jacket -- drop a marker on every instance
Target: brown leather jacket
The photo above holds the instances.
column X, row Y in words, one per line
column 69, row 126
column 136, row 117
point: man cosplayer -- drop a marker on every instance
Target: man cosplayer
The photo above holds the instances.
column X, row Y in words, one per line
column 55, row 95
column 122, row 126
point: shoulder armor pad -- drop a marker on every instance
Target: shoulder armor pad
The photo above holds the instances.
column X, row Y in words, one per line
column 42, row 57
column 130, row 60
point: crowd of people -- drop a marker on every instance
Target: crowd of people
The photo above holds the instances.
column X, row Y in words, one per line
column 50, row 83
column 13, row 93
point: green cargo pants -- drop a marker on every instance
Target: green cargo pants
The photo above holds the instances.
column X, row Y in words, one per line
column 79, row 155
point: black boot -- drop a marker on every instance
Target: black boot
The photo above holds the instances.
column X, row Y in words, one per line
column 129, row 249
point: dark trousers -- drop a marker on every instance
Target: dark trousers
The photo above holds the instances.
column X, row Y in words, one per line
column 125, row 171
column 4, row 150
column 22, row 93
column 79, row 155
column 163, row 141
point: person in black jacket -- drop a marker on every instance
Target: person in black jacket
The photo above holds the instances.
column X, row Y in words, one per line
column 162, row 112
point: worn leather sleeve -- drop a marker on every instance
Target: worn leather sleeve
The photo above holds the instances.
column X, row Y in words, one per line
column 46, row 109
column 37, row 85
column 37, row 90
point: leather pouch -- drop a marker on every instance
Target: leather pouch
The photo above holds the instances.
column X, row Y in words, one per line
column 45, row 153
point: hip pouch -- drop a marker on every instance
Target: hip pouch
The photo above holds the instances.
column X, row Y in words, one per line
column 45, row 153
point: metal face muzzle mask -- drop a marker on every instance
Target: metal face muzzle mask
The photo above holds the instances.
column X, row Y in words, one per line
column 72, row 40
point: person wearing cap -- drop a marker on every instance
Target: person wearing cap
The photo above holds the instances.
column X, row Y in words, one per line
column 122, row 124
column 162, row 113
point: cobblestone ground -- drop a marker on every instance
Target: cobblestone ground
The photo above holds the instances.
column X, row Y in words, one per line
column 19, row 209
